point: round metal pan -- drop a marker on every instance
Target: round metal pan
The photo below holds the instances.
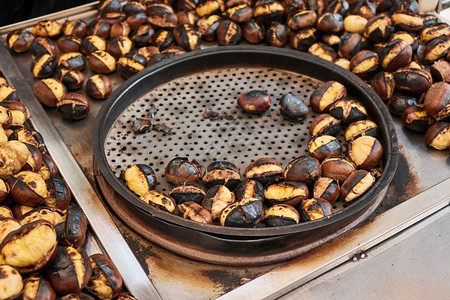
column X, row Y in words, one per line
column 245, row 57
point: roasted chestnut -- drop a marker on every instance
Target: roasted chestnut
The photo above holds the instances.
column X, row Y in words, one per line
column 313, row 209
column 276, row 35
column 264, row 170
column 323, row 51
column 92, row 43
column 120, row 29
column 130, row 64
column 240, row 13
column 187, row 191
column 245, row 213
column 132, row 8
column 302, row 19
column 250, row 189
column 267, row 11
column 140, row 178
column 76, row 28
column 337, row 168
column 72, row 61
column 195, row 212
column 41, row 45
column 159, row 200
column 416, row 118
column 102, row 62
column 99, row 28
column 330, row 22
column 187, row 37
column 106, row 281
column 255, row 101
column 187, row 17
column 148, row 52
column 207, row 26
column 38, row 287
column 217, row 198
column 407, row 21
column 70, row 271
column 47, row 28
column 13, row 156
column 222, row 173
column 49, row 91
column 437, row 101
column 438, row 136
column 7, row 224
column 303, row 38
column 52, row 215
column 397, row 54
column 292, row 107
column 73, row 106
column 75, row 227
column 281, row 215
column 72, row 79
column 327, row 94
column 355, row 24
column 364, row 64
column 365, row 152
column 7, row 92
column 349, row 45
column 361, row 128
column 19, row 210
column 326, row 188
column 379, row 29
column 384, row 85
column 108, row 6
column 11, row 283
column 43, row 66
column 302, row 169
column 180, row 170
column 19, row 41
column 228, row 33
column 48, row 168
column 98, row 87
column 356, row 185
column 331, row 39
column 34, row 161
column 69, row 43
column 323, row 146
column 29, row 248
column 324, row 124
column 161, row 15
column 119, row 46
column 437, row 48
column 440, row 70
column 348, row 110
column 398, row 103
column 163, row 39
column 28, row 188
column 287, row 192
column 434, row 31
column 175, row 50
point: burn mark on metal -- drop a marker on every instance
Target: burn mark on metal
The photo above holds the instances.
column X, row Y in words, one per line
column 229, row 280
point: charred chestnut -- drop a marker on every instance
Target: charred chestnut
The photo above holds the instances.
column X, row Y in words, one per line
column 217, row 199
column 34, row 161
column 355, row 24
column 187, row 191
column 43, row 66
column 324, row 124
column 245, row 213
column 406, row 37
column 356, row 185
column 415, row 81
column 51, row 215
column 7, row 224
column 281, row 215
column 30, row 248
column 440, row 70
column 38, row 287
column 250, row 189
column 119, row 46
column 72, row 79
column 302, row 169
column 163, row 39
column 58, row 193
column 323, row 146
column 240, row 13
column 267, row 11
column 416, row 118
column 102, row 62
column 331, row 39
column 365, row 152
column 364, row 64
column 41, row 45
column 19, row 41
column 140, row 178
column 349, row 45
column 162, row 15
column 303, row 38
column 398, row 103
column 330, row 22
column 348, row 110
column 72, row 61
column 407, row 21
column 327, row 94
column 4, row 192
column 326, row 188
column 397, row 54
column 47, row 28
column 222, row 173
column 434, row 31
column 132, row 8
column 361, row 128
column 92, row 43
column 48, row 167
column 98, row 87
column 73, row 106
column 75, row 227
column 108, row 6
column 438, row 136
column 437, row 101
column 228, row 33
column 384, row 85
column 337, row 168
column 255, row 101
column 28, row 188
column 287, row 192
column 264, row 170
column 120, row 29
column 76, row 28
column 7, row 92
column 100, row 28
column 437, row 48
column 187, row 17
column 180, row 170
column 69, row 43
column 323, row 51
column 302, row 19
column 292, row 107
column 106, row 281
column 313, row 209
column 13, row 156
column 159, row 200
column 207, row 26
column 187, row 37
column 379, row 29
column 130, row 64
column 11, row 283
column 276, row 35
column 148, row 52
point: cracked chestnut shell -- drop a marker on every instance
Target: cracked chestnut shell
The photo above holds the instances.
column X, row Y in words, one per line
column 437, row 48
column 7, row 224
column 253, row 32
column 416, row 118
column 54, row 216
column 195, row 212
column 73, row 106
column 159, row 200
column 75, row 227
column 19, row 41
column 276, row 35
column 140, row 178
column 41, row 45
column 58, row 193
column 28, row 188
column 264, row 170
column 228, row 33
column 286, row 192
column 323, row 51
column 10, row 282
column 348, row 110
column 30, row 248
column 250, row 189
column 330, row 22
column 13, row 156
column 303, row 38
column 37, row 286
column 222, row 173
column 106, row 281
column 48, row 168
column 406, row 37
column 180, row 170
column 99, row 28
column 187, row 191
column 69, row 43
column 143, row 35
column 323, row 146
column 207, row 26
column 379, row 29
column 364, row 64
column 17, row 110
column 302, row 169
column 326, row 188
column 72, row 61
column 437, row 101
column 396, row 54
column 398, row 103
column 43, row 66
column 133, row 7
column 407, row 21
column 255, row 101
column 72, row 79
column 438, row 136
column 434, row 31
column 187, row 17
column 120, row 29
column 245, row 213
column 47, row 28
column 313, row 209
column 440, row 70
column 102, row 62
column 360, row 128
column 324, row 124
column 327, row 94
column 239, row 13
column 34, row 161
column 7, row 92
column 217, row 198
column 163, row 39
column 161, row 15
column 356, row 185
column 119, row 46
column 302, row 19
column 187, row 36
column 281, row 215
column 349, row 45
column 70, row 271
column 130, row 64
column 76, row 28
column 49, row 91
column 292, row 107
column 365, row 151
column 414, row 81
column 98, row 87
column 267, row 11
column 92, row 43
column 337, row 168
column 384, row 85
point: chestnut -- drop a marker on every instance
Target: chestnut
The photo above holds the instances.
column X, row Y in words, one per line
column 148, row 52
column 398, row 103
column 245, row 213
column 99, row 28
column 348, row 110
column 72, row 79
column 364, row 64
column 240, row 13
column 186, row 5
column 180, row 170
column 162, row 15
column 379, row 29
column 159, row 200
column 195, row 212
column 143, row 35
column 18, row 111
column 140, row 178
column 355, row 24
column 163, row 39
column 69, row 43
column 416, row 118
column 250, row 189
column 92, row 43
column 75, row 227
column 365, row 151
column 437, row 48
column 175, row 50
column 323, row 51
column 414, row 81
column 5, row 211
column 187, row 191
column 363, row 8
column 187, row 36
column 76, row 28
column 106, row 281
column 356, row 185
column 70, row 271
column 349, row 45
column 58, row 193
column 267, row 11
column 384, row 85
column 113, row 18
column 19, row 210
column 217, row 198
column 302, row 19
column 54, row 216
column 276, row 35
column 223, row 173
column 407, row 21
column 13, row 156
column 286, row 192
column 331, row 39
column 440, row 70
column 324, row 124
column 406, row 37
column 303, row 38
column 255, row 101
column 29, row 248
column 292, row 107
column 72, row 61
column 323, row 146
column 438, row 136
column 397, row 54
column 19, row 41
column 302, row 169
column 120, row 29
column 102, row 62
column 134, row 21
column 437, row 101
column 207, row 26
column 7, row 92
column 47, row 28
column 187, row 17
column 98, row 87
column 327, row 94
column 34, row 161
column 434, row 31
column 314, row 209
column 130, row 64
column 360, row 128
column 73, row 106
column 28, row 188
column 41, row 45
column 326, row 188
column 108, row 6
column 132, row 8
column 43, row 66
column 11, row 283
column 37, row 286
column 330, row 22
column 281, row 215
column 264, row 170
column 119, row 46
column 48, row 168
column 7, row 225
column 228, row 33
column 337, row 168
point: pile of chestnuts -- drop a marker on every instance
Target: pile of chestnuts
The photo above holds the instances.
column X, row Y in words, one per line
column 41, row 233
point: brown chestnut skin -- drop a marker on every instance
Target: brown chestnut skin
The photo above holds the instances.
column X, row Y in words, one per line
column 349, row 45
column 75, row 227
column 39, row 238
column 440, row 70
column 133, row 7
column 47, row 28
column 331, row 39
column 337, row 168
column 286, row 192
column 414, row 81
column 327, row 94
column 302, row 19
column 407, row 21
column 118, row 46
column 281, row 215
column 28, row 188
column 356, row 185
column 303, row 38
column 365, row 152
column 397, row 54
column 159, row 200
column 148, row 52
column 49, row 91
column 41, row 45
column 407, row 37
column 384, row 85
column 276, row 35
column 255, row 101
column 19, row 41
column 245, row 213
column 326, row 188
column 106, row 281
column 324, row 124
column 416, row 118
column 143, row 35
column 7, row 92
column 314, row 208
column 69, row 43
column 76, row 28
column 92, row 43
column 437, row 101
column 266, row 12
column 330, row 22
column 360, row 128
column 240, row 13
column 99, row 28
column 187, row 17
column 120, row 29
column 207, row 27
column 58, row 193
column 109, row 6
column 438, row 136
column 72, row 79
column 38, row 287
column 253, row 32
column 302, row 169
column 223, row 173
column 398, row 103
column 43, row 66
column 162, row 15
column 348, row 110
column 70, row 271
column 436, row 48
column 180, row 170
column 217, row 198
column 187, row 36
column 264, row 170
column 292, row 107
column 323, row 146
column 187, row 191
column 72, row 61
column 434, row 31
column 250, row 189
column 48, row 168
column 228, row 33
column 102, row 62
column 364, row 64
column 130, row 64
column 98, row 87
column 73, row 106
column 11, row 283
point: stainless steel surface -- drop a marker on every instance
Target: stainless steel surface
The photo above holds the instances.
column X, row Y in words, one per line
column 412, row 265
column 322, row 259
column 99, row 219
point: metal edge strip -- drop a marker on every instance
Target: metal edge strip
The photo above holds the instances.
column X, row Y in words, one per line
column 108, row 234
column 299, row 271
